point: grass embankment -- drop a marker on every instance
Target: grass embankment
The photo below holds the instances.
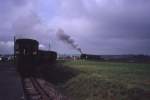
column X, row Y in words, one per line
column 108, row 81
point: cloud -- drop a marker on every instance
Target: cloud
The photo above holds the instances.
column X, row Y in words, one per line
column 6, row 47
column 20, row 19
column 97, row 22
column 99, row 26
column 115, row 18
column 42, row 47
column 10, row 11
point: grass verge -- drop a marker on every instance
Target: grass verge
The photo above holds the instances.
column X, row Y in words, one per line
column 108, row 81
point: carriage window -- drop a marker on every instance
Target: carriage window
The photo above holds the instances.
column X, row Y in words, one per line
column 17, row 52
column 34, row 53
column 24, row 51
column 17, row 46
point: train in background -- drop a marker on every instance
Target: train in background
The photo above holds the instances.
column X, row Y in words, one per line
column 28, row 57
column 90, row 57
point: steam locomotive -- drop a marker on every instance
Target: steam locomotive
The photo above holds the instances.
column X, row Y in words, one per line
column 28, row 56
column 90, row 57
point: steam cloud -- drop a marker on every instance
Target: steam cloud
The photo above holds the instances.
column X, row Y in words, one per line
column 67, row 39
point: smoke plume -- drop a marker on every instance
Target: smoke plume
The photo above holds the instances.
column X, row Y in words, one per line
column 67, row 39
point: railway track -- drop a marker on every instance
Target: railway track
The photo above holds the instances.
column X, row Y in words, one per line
column 37, row 89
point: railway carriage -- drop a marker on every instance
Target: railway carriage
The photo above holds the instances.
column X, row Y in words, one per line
column 28, row 57
column 47, row 57
column 26, row 51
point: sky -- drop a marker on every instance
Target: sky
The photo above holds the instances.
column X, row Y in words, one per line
column 95, row 26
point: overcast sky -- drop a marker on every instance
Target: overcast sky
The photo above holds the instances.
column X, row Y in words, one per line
column 96, row 26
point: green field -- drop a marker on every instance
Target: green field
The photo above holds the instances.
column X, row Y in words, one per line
column 108, row 81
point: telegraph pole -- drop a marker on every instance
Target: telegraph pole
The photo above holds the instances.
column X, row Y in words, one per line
column 49, row 45
column 14, row 48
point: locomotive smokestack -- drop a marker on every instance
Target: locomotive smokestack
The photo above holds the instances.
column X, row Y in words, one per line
column 67, row 39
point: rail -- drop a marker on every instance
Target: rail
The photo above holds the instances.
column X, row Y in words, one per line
column 35, row 90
